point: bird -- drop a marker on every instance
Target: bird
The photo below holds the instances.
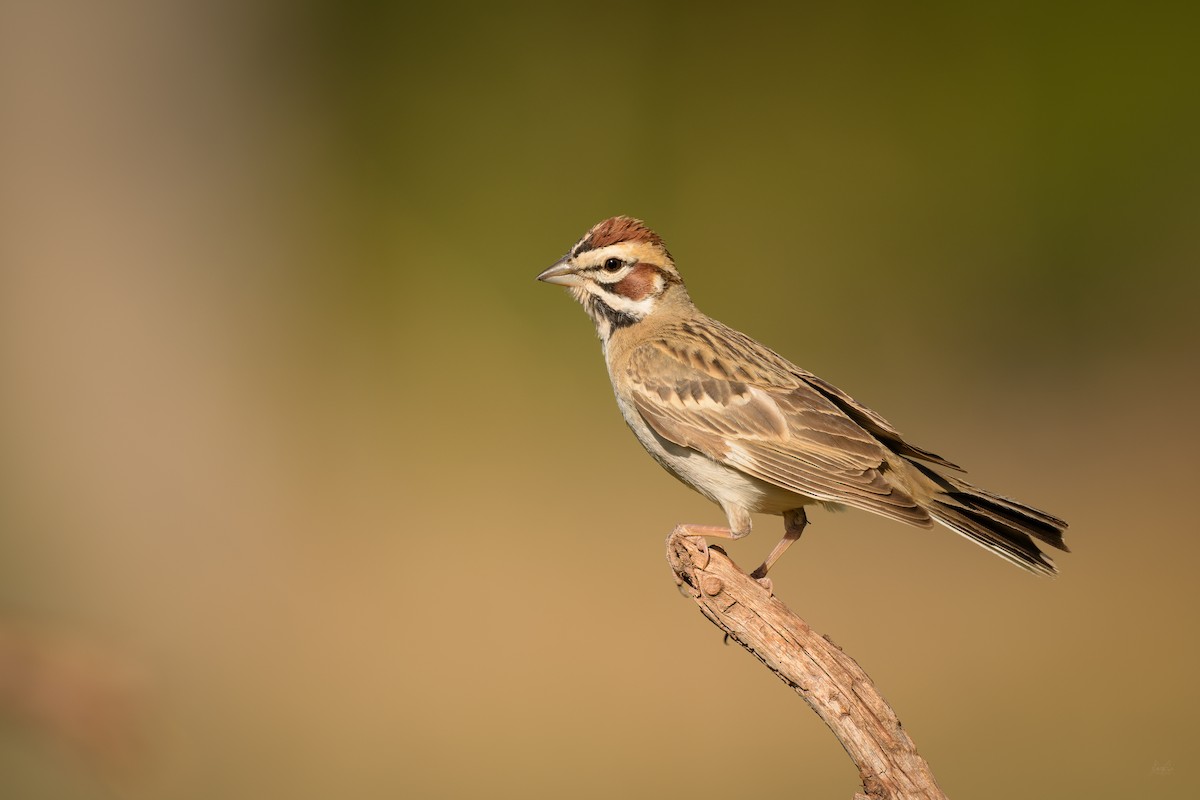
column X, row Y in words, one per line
column 753, row 432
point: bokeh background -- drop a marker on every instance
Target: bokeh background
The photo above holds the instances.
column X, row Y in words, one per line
column 308, row 490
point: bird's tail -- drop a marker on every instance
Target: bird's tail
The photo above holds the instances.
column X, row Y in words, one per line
column 1004, row 526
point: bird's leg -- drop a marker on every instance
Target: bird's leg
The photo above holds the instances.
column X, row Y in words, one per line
column 793, row 525
column 695, row 534
column 698, row 532
column 719, row 531
column 739, row 526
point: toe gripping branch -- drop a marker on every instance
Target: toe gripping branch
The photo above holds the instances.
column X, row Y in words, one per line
column 688, row 555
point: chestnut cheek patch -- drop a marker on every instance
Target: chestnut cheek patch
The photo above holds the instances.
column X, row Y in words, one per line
column 638, row 284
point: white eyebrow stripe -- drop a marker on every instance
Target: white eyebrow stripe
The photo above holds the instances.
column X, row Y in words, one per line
column 626, row 251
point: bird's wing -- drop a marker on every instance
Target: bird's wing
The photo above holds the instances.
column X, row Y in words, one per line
column 743, row 405
column 874, row 424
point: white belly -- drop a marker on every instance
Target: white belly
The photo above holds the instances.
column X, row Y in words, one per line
column 724, row 485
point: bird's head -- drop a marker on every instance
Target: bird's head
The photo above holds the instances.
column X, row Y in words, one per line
column 620, row 271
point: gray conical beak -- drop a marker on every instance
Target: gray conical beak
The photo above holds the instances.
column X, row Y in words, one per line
column 562, row 272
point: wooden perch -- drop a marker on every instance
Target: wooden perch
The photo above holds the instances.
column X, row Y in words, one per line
column 830, row 681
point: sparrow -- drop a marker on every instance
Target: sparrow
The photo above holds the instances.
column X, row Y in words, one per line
column 753, row 432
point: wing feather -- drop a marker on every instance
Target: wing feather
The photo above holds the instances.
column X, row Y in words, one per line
column 743, row 405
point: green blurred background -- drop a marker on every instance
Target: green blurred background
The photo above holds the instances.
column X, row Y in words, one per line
column 308, row 490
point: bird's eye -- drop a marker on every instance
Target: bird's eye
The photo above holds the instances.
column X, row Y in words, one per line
column 613, row 264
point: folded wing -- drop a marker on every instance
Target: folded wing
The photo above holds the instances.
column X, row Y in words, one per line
column 767, row 419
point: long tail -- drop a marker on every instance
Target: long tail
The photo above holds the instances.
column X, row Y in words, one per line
column 1004, row 526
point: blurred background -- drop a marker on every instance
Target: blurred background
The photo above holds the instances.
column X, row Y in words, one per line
column 307, row 489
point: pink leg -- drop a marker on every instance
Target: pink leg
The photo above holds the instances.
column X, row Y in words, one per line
column 697, row 533
column 706, row 530
column 793, row 525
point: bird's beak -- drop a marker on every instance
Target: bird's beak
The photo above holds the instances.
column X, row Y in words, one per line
column 562, row 272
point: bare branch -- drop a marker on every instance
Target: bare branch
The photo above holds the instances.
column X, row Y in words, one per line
column 830, row 681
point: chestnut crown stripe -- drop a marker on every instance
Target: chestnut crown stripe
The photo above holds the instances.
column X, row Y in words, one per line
column 616, row 230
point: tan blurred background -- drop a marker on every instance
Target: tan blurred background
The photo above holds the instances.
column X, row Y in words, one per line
column 308, row 490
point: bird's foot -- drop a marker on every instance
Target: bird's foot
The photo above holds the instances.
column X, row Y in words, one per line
column 693, row 540
column 697, row 533
column 794, row 523
column 760, row 577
